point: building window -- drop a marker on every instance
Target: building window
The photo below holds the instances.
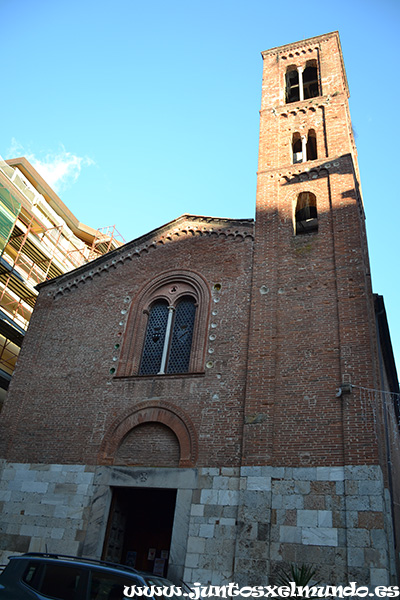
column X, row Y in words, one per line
column 297, row 148
column 292, row 85
column 166, row 330
column 304, row 148
column 310, row 80
column 168, row 338
column 311, row 147
column 306, row 217
column 302, row 82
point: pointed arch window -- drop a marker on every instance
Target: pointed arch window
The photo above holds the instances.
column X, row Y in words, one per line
column 306, row 216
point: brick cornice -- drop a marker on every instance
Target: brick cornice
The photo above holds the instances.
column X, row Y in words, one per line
column 187, row 226
column 300, row 44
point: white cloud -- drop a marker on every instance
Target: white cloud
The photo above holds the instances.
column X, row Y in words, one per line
column 59, row 169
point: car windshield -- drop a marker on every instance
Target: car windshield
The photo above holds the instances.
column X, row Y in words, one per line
column 160, row 582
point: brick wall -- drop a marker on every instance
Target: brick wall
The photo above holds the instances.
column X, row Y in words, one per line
column 75, row 338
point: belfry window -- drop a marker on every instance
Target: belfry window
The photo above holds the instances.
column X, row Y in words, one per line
column 311, row 148
column 297, row 148
column 292, row 85
column 304, row 148
column 302, row 83
column 310, row 80
column 168, row 340
column 306, row 216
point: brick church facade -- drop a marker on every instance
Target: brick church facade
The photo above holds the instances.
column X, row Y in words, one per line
column 207, row 395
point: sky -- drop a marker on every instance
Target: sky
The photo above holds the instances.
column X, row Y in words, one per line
column 137, row 112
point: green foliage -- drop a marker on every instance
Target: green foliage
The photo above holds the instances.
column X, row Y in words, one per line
column 301, row 576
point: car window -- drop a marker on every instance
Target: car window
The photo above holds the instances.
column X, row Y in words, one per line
column 159, row 582
column 58, row 582
column 109, row 586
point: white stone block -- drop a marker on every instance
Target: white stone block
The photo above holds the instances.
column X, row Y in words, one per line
column 14, row 485
column 227, row 521
column 337, row 474
column 30, row 530
column 292, row 501
column 192, row 561
column 38, row 487
column 370, row 488
column 202, row 576
column 209, row 496
column 196, row 545
column 61, row 511
column 307, row 518
column 8, row 474
column 37, row 545
column 251, row 471
column 302, row 487
column 74, row 468
column 289, row 534
column 197, row 510
column 220, row 483
column 319, row 536
column 187, row 576
column 233, row 483
column 379, row 576
column 213, row 471
column 57, row 533
column 230, row 471
column 277, row 501
column 82, row 488
column 86, row 478
column 24, row 474
column 323, row 473
column 305, row 473
column 259, row 483
column 356, row 557
column 206, row 530
column 228, row 497
column 324, row 518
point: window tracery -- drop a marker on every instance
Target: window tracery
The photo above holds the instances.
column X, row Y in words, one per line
column 166, row 328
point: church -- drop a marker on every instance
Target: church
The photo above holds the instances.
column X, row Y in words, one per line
column 215, row 400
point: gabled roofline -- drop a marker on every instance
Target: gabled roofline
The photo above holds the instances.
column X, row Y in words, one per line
column 156, row 236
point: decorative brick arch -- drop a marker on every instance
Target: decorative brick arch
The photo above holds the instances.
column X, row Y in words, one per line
column 185, row 283
column 152, row 412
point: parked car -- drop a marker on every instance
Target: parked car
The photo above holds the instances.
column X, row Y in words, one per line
column 35, row 576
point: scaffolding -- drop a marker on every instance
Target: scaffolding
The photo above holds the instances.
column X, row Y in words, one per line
column 36, row 244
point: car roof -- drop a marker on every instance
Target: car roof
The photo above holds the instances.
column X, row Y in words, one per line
column 77, row 560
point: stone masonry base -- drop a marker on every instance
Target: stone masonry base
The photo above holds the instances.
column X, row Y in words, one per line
column 231, row 524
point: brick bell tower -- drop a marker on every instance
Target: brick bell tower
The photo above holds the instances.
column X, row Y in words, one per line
column 312, row 334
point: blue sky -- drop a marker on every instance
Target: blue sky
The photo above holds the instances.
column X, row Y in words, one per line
column 138, row 112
